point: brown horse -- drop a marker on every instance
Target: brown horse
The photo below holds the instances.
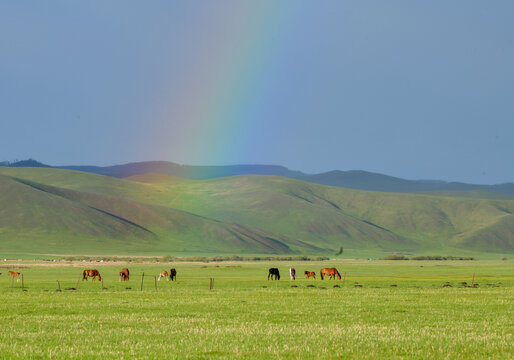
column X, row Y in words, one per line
column 310, row 274
column 91, row 273
column 164, row 274
column 124, row 274
column 15, row 274
column 332, row 272
column 173, row 274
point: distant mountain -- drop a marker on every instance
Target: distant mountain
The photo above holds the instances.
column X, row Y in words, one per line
column 353, row 179
column 24, row 163
column 185, row 171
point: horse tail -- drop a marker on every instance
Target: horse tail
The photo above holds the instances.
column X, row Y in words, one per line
column 321, row 274
column 338, row 275
column 84, row 275
column 99, row 277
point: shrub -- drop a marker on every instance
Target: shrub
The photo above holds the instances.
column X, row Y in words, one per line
column 396, row 257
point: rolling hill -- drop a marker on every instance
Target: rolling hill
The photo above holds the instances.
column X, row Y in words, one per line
column 47, row 210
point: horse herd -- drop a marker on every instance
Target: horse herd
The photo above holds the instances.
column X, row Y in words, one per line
column 274, row 274
column 125, row 274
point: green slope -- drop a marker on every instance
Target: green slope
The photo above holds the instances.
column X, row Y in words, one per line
column 38, row 218
column 266, row 214
column 472, row 194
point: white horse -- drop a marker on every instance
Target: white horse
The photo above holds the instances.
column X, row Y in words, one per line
column 292, row 273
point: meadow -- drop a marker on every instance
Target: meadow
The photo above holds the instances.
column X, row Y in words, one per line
column 382, row 309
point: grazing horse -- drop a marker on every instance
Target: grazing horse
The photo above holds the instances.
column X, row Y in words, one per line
column 274, row 272
column 173, row 274
column 91, row 273
column 332, row 272
column 292, row 273
column 164, row 274
column 15, row 274
column 124, row 274
column 310, row 274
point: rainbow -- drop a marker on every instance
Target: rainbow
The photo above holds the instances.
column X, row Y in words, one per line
column 202, row 117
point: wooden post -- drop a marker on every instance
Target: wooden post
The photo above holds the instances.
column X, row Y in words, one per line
column 142, row 279
column 473, row 281
column 211, row 285
column 155, row 280
column 77, row 286
column 344, row 278
column 58, row 286
column 22, row 283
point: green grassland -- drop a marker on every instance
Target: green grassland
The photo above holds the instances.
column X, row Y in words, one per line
column 52, row 211
column 402, row 311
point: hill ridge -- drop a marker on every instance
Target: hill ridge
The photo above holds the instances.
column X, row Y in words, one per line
column 353, row 179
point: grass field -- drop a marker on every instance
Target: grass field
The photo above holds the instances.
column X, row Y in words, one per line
column 401, row 311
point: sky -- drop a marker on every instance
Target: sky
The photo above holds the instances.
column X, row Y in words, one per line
column 414, row 89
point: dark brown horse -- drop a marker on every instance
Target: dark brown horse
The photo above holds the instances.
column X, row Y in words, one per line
column 173, row 274
column 332, row 272
column 15, row 274
column 310, row 274
column 91, row 273
column 124, row 274
column 273, row 272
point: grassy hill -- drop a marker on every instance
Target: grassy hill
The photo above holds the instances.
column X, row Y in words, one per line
column 63, row 211
column 472, row 194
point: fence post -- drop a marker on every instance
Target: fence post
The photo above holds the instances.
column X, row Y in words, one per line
column 142, row 279
column 211, row 286
column 77, row 286
column 58, row 286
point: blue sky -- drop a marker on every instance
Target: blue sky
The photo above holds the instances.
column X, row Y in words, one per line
column 421, row 90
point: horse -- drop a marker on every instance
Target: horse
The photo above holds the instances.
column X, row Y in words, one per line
column 91, row 273
column 173, row 274
column 164, row 274
column 292, row 273
column 15, row 274
column 332, row 272
column 274, row 272
column 310, row 274
column 124, row 274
